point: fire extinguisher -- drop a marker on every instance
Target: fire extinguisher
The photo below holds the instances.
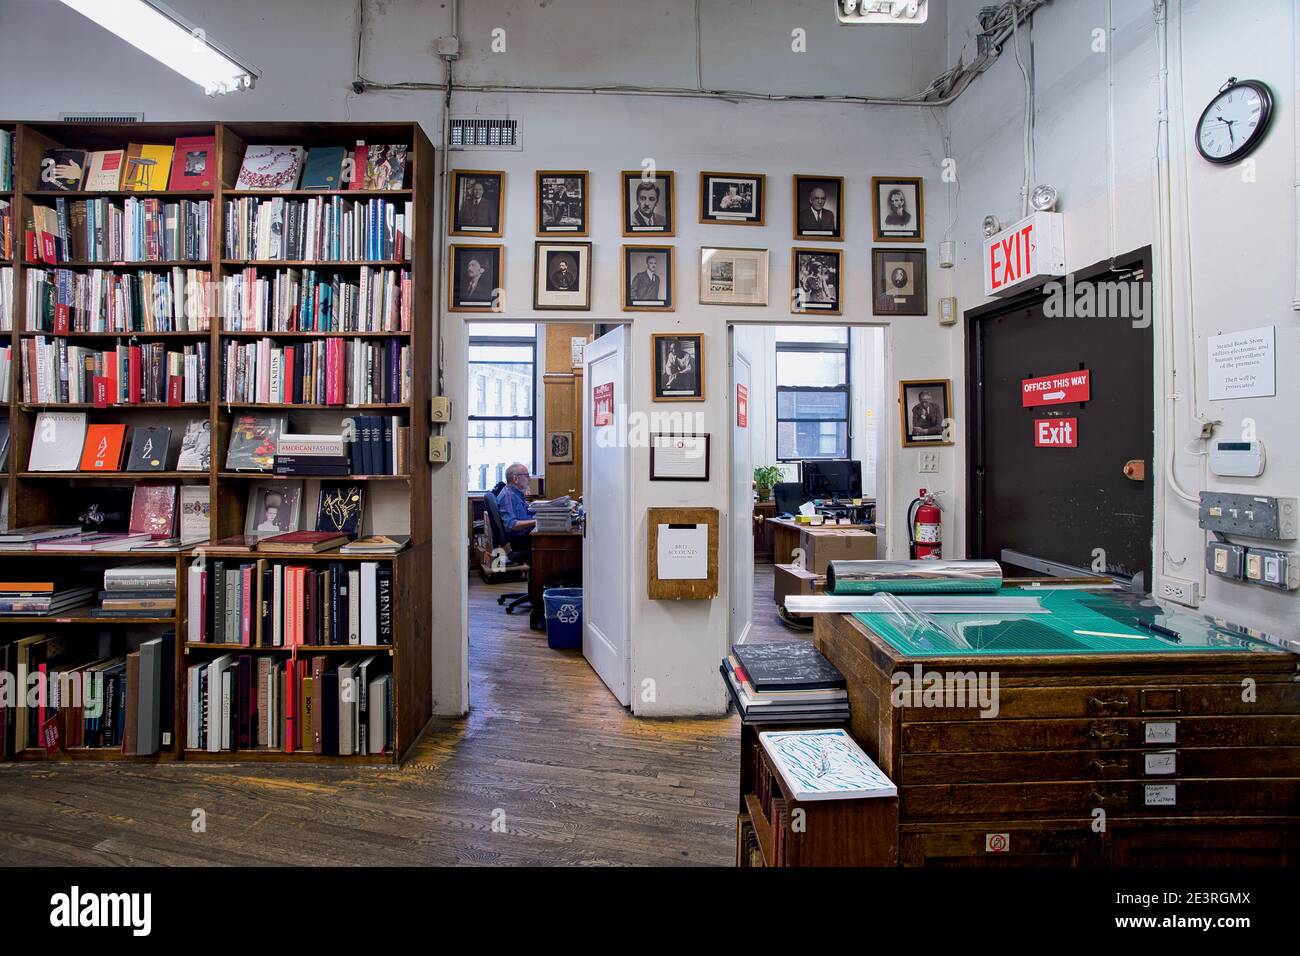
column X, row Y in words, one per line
column 924, row 532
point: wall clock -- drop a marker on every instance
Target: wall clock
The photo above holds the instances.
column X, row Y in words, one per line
column 1235, row 121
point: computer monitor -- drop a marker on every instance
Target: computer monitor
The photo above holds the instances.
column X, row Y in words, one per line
column 789, row 496
column 832, row 478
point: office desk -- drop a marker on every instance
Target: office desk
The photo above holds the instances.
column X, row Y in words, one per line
column 556, row 561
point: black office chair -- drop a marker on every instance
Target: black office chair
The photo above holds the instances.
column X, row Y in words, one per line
column 514, row 561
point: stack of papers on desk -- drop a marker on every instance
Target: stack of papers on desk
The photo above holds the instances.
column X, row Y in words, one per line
column 554, row 515
column 785, row 682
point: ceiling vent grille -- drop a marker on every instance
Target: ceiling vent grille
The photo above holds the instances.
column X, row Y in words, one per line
column 484, row 132
column 101, row 117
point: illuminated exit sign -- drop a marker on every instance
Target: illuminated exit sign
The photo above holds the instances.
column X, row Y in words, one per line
column 1033, row 248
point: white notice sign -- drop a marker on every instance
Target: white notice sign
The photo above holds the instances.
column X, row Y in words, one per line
column 683, row 552
column 1242, row 364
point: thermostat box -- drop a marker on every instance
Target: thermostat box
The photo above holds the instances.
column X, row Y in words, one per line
column 1254, row 516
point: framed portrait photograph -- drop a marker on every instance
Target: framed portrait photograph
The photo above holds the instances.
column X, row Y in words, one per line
column 476, row 278
column 815, row 276
column 678, row 367
column 898, row 281
column 734, row 199
column 648, row 279
column 647, row 203
column 477, row 197
column 926, row 408
column 819, row 208
column 559, row 448
column 274, row 507
column 733, row 276
column 562, row 275
column 562, row 202
column 896, row 208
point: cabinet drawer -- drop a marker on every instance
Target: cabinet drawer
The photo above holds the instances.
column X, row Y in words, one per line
column 999, row 843
column 1153, row 765
column 969, row 736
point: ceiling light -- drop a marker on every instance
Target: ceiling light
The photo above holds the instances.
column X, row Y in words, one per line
column 1043, row 198
column 911, row 12
column 163, row 34
column 991, row 226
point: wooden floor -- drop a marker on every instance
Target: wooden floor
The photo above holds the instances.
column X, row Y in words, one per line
column 547, row 754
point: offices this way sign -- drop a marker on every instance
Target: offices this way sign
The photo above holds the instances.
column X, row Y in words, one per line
column 1059, row 389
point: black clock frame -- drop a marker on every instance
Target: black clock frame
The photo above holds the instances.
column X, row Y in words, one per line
column 1265, row 118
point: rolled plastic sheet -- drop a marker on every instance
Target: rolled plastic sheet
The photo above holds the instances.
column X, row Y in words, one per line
column 913, row 577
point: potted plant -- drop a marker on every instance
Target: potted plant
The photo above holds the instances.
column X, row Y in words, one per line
column 765, row 476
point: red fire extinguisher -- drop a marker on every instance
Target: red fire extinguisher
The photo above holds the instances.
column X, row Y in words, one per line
column 924, row 532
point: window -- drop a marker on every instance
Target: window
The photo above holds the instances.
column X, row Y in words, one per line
column 502, row 416
column 812, row 392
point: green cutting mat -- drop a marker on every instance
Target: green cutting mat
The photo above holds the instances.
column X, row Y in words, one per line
column 1080, row 622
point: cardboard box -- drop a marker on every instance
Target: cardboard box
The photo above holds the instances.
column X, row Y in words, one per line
column 788, row 579
column 826, row 544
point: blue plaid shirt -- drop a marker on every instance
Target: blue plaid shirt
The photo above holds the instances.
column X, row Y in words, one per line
column 513, row 508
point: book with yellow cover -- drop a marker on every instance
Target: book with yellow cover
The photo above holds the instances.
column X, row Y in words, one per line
column 148, row 175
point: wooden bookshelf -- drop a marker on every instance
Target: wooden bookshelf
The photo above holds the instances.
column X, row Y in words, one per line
column 36, row 497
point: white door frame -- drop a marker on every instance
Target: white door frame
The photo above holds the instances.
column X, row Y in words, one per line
column 741, row 585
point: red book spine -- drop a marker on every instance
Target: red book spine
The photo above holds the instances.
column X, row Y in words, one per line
column 286, row 378
column 358, row 167
column 246, row 606
column 174, row 386
column 133, row 375
column 61, row 318
column 290, row 707
column 33, row 250
column 48, row 251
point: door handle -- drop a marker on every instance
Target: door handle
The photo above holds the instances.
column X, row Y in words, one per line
column 1135, row 469
column 1101, row 766
column 1102, row 736
column 1098, row 703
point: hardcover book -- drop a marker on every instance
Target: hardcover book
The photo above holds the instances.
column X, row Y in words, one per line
column 340, row 507
column 62, row 170
column 153, row 510
column 302, row 446
column 270, row 168
column 148, row 166
column 303, row 542
column 196, row 446
column 252, row 442
column 103, row 448
column 195, row 505
column 787, row 665
column 106, row 167
column 149, row 447
column 57, row 441
column 194, row 163
column 385, row 167
column 377, row 544
column 324, row 169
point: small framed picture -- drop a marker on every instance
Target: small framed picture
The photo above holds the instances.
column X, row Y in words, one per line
column 647, row 203
column 733, row 276
column 819, row 208
column 559, row 448
column 679, row 367
column 898, row 281
column 815, row 281
column 562, row 275
column 648, row 279
column 478, row 195
column 734, row 199
column 896, row 207
column 679, row 457
column 926, row 407
column 274, row 507
column 562, row 202
column 476, row 279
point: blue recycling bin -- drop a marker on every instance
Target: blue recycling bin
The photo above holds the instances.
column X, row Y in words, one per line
column 563, row 617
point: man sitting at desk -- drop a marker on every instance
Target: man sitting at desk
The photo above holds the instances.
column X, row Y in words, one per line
column 516, row 515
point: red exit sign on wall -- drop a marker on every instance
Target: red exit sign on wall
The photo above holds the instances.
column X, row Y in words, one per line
column 1030, row 249
column 1056, row 433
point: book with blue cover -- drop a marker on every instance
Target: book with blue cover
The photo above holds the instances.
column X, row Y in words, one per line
column 824, row 765
column 324, row 169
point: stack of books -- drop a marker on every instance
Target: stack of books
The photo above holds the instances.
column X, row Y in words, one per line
column 138, row 590
column 554, row 515
column 377, row 544
column 25, row 539
column 785, row 682
column 37, row 597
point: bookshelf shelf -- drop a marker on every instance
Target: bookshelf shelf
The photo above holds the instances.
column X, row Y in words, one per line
column 395, row 504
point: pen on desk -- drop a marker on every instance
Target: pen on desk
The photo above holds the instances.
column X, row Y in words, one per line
column 1159, row 630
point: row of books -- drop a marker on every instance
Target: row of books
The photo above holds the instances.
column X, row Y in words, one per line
column 6, row 229
column 282, row 168
column 88, row 696
column 252, row 702
column 139, row 167
column 784, row 682
column 294, row 300
column 122, row 519
column 265, row 603
column 56, row 372
column 6, row 298
column 329, row 228
column 101, row 300
column 6, row 160
column 66, row 442
column 322, row 372
column 6, row 371
column 136, row 230
column 366, row 445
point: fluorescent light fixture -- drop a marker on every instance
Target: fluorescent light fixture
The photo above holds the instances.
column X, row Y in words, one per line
column 163, row 34
column 910, row 12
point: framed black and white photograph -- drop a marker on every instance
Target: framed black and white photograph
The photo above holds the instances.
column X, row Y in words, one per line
column 562, row 275
column 896, row 208
column 476, row 279
column 274, row 507
column 679, row 367
column 648, row 279
column 647, row 203
column 559, row 448
column 815, row 281
column 562, row 202
column 898, row 281
column 819, row 208
column 477, row 196
column 733, row 276
column 679, row 457
column 734, row 199
column 926, row 409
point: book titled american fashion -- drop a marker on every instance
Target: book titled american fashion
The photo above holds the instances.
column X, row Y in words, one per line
column 103, row 448
column 149, row 447
column 270, row 168
column 253, row 440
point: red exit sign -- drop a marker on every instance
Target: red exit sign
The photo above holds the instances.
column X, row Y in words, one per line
column 1059, row 389
column 1030, row 249
column 1056, row 433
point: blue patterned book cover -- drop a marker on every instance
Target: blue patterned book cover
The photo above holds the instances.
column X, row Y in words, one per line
column 825, row 765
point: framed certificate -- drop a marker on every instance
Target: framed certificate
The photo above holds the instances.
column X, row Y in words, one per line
column 679, row 457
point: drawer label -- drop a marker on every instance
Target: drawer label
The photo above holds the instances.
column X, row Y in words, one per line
column 997, row 843
column 1160, row 731
column 1160, row 762
column 1161, row 794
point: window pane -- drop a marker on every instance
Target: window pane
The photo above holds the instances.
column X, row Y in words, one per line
column 811, row 368
column 811, row 405
column 494, row 446
column 501, row 388
column 499, row 330
column 813, row 333
column 501, row 353
column 811, row 440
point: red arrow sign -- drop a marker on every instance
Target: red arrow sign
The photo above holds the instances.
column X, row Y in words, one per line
column 1056, row 389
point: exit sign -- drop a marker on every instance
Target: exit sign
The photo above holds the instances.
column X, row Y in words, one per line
column 1056, row 433
column 1033, row 248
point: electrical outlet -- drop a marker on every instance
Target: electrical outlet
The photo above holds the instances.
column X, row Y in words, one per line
column 1180, row 591
column 928, row 463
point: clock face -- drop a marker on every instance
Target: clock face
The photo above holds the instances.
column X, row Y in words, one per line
column 1233, row 122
